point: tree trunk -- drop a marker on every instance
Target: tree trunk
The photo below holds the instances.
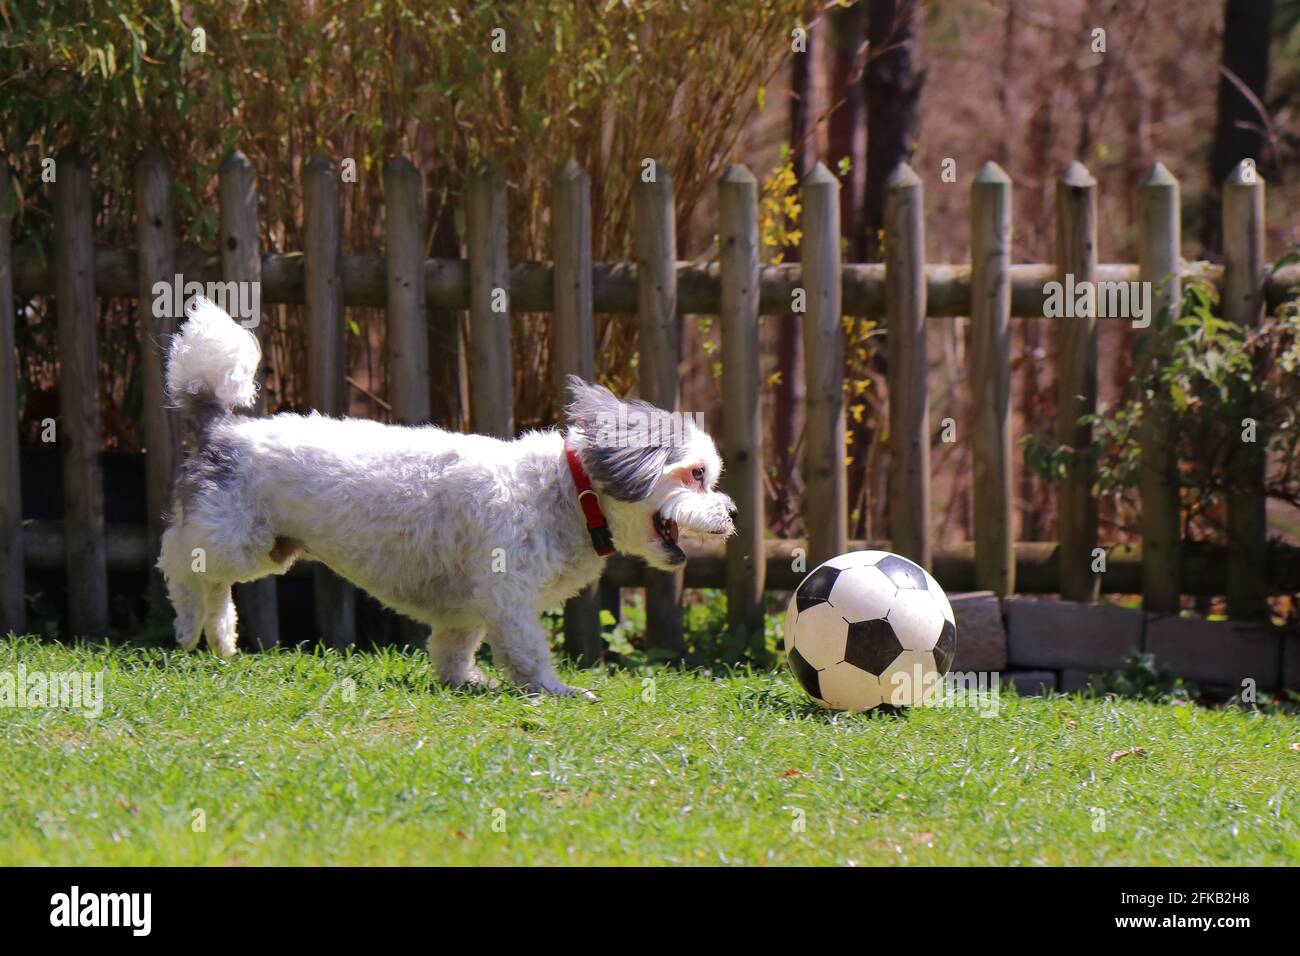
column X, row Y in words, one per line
column 1246, row 32
column 787, row 418
column 892, row 86
column 846, row 139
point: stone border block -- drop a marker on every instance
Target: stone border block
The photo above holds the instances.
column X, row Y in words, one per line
column 1066, row 634
column 981, row 638
column 1073, row 679
column 1218, row 652
column 1031, row 683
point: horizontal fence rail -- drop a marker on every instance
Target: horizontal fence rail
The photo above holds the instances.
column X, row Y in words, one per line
column 657, row 288
column 1037, row 569
column 614, row 284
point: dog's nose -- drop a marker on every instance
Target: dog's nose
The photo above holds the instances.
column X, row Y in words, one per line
column 732, row 513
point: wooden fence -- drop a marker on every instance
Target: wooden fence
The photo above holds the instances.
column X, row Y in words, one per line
column 657, row 288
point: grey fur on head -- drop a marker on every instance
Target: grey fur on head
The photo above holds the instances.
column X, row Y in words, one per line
column 627, row 444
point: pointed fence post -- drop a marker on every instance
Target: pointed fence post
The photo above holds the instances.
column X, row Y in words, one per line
column 491, row 403
column 406, row 331
column 990, row 244
column 657, row 381
column 742, row 390
column 13, row 614
column 573, row 353
column 79, row 419
column 406, row 339
column 327, row 362
column 156, row 245
column 1243, row 305
column 1159, row 264
column 1076, row 380
column 826, row 490
column 241, row 261
column 909, row 416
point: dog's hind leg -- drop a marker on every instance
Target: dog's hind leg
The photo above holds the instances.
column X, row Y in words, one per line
column 219, row 619
column 184, row 588
column 187, row 601
column 452, row 652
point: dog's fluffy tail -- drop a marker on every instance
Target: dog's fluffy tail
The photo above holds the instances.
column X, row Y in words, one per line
column 212, row 363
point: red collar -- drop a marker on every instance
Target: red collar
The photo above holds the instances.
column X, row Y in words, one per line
column 597, row 527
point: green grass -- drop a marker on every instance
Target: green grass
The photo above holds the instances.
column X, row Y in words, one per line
column 303, row 759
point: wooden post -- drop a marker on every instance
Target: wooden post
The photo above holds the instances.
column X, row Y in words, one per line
column 742, row 389
column 573, row 353
column 657, row 378
column 407, row 337
column 1243, row 305
column 491, row 401
column 909, row 415
column 990, row 256
column 13, row 615
column 1076, row 375
column 1159, row 264
column 156, row 244
column 448, row 327
column 241, row 261
column 826, row 491
column 326, row 362
column 78, row 428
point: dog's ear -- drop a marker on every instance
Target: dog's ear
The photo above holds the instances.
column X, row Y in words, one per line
column 589, row 404
column 626, row 445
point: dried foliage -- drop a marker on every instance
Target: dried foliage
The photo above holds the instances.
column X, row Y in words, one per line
column 610, row 84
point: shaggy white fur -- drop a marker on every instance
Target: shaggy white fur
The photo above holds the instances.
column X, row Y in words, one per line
column 213, row 354
column 469, row 535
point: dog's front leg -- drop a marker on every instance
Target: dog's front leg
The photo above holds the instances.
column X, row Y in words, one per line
column 452, row 652
column 519, row 648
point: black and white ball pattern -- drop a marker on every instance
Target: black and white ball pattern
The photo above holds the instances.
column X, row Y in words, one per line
column 859, row 621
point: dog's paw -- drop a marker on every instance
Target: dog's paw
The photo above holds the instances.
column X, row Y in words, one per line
column 476, row 678
column 558, row 689
column 470, row 680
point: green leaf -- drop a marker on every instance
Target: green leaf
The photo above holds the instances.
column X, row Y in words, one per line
column 1286, row 259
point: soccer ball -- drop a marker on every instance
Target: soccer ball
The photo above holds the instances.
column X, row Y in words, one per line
column 869, row 628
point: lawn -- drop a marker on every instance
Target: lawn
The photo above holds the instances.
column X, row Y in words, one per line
column 295, row 758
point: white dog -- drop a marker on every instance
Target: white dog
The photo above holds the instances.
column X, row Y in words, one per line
column 470, row 535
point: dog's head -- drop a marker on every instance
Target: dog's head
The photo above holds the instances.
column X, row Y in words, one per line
column 655, row 472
